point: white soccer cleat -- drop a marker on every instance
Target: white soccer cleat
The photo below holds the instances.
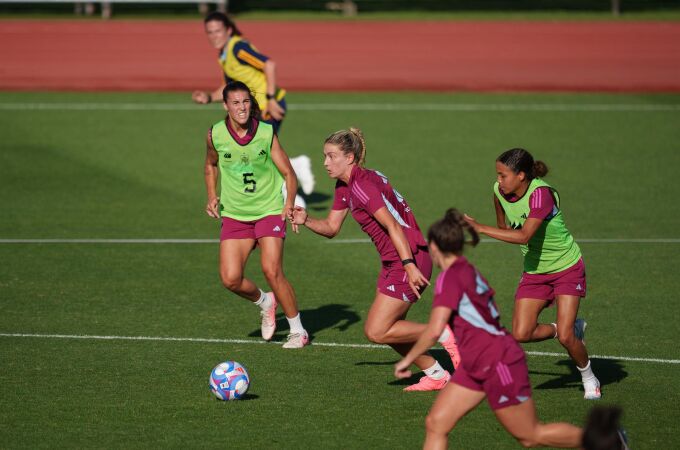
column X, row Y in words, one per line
column 591, row 388
column 299, row 201
column 268, row 325
column 297, row 340
column 302, row 166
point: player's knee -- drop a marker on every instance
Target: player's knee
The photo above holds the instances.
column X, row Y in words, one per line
column 528, row 440
column 527, row 443
column 566, row 337
column 434, row 424
column 272, row 273
column 231, row 281
column 521, row 335
column 374, row 335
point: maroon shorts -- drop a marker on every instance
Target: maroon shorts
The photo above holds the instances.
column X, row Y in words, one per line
column 571, row 281
column 507, row 383
column 393, row 280
column 273, row 226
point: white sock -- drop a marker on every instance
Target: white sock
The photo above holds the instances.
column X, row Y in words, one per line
column 295, row 324
column 586, row 372
column 444, row 336
column 264, row 302
column 436, row 372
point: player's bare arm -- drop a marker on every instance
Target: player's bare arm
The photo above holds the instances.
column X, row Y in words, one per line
column 328, row 227
column 205, row 97
column 282, row 163
column 521, row 236
column 273, row 108
column 210, row 174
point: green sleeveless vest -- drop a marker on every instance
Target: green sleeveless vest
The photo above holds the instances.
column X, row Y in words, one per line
column 552, row 248
column 249, row 180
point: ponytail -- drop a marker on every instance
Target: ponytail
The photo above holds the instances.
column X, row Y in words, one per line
column 448, row 233
column 540, row 169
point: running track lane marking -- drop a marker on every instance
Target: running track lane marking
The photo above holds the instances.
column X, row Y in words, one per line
column 556, row 107
column 315, row 343
column 334, row 241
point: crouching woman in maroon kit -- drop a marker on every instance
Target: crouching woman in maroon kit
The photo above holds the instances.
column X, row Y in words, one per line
column 385, row 216
column 493, row 364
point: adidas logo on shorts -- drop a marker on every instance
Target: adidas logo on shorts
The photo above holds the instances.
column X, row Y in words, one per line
column 277, row 228
column 579, row 287
column 391, row 288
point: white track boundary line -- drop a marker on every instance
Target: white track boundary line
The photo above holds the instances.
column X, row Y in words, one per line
column 334, row 241
column 315, row 343
column 385, row 107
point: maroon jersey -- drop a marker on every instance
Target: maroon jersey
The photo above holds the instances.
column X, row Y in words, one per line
column 366, row 192
column 475, row 320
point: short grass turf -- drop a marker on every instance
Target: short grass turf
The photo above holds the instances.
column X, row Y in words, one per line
column 130, row 167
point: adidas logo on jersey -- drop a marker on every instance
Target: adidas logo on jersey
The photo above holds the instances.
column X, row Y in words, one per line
column 524, row 215
column 262, row 153
column 277, row 228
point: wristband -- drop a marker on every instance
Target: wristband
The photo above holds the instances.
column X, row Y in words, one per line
column 407, row 261
column 271, row 96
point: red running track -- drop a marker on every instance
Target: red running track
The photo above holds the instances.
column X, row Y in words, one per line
column 484, row 56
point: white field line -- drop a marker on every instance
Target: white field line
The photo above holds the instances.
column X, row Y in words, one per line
column 586, row 240
column 406, row 106
column 333, row 241
column 315, row 343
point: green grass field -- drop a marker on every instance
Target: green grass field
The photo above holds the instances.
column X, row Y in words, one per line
column 129, row 166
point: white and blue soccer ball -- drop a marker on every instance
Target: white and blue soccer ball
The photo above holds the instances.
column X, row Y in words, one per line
column 229, row 380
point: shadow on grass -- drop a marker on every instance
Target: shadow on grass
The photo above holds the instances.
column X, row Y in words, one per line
column 314, row 200
column 334, row 315
column 244, row 398
column 440, row 355
column 608, row 371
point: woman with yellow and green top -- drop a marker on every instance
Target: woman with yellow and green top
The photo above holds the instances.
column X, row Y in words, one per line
column 241, row 61
column 528, row 213
column 245, row 157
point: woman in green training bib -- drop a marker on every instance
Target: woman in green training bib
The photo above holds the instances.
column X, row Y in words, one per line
column 244, row 154
column 528, row 213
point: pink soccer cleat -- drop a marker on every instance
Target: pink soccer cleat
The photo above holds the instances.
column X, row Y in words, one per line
column 268, row 325
column 451, row 348
column 297, row 340
column 429, row 384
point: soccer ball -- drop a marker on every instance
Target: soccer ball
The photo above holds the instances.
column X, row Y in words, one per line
column 229, row 381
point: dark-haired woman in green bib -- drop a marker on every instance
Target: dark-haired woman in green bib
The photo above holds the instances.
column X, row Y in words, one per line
column 245, row 157
column 528, row 213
